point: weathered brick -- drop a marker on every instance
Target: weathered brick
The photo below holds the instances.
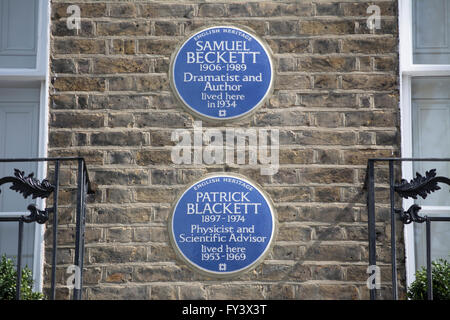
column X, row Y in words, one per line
column 315, row 27
column 331, row 99
column 157, row 195
column 387, row 100
column 370, row 82
column 326, row 175
column 361, row 156
column 63, row 66
column 327, row 138
column 211, row 10
column 123, row 28
column 155, row 119
column 59, row 29
column 119, row 102
column 265, row 9
column 328, row 119
column 386, row 63
column 239, row 9
column 292, row 81
column 118, row 138
column 328, row 156
column 325, row 81
column 120, row 157
column 157, row 46
column 328, row 9
column 88, row 10
column 297, row 9
column 117, row 254
column 326, row 194
column 325, row 46
column 151, row 157
column 166, row 28
column 121, row 65
column 291, row 118
column 60, row 139
column 164, row 177
column 370, row 119
column 122, row 10
column 121, row 46
column 120, row 120
column 295, row 156
column 294, row 233
column 283, row 27
column 370, row 46
column 331, row 252
column 79, row 84
column 119, row 234
column 76, row 120
column 118, row 195
column 289, row 45
column 163, row 10
column 115, row 177
column 387, row 8
column 290, row 194
column 327, row 64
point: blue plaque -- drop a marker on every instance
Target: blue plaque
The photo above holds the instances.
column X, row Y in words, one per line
column 222, row 225
column 222, row 73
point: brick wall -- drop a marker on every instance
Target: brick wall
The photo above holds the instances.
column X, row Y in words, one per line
column 335, row 102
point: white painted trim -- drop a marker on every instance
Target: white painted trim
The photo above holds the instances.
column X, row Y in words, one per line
column 420, row 70
column 11, row 214
column 406, row 47
column 43, row 38
column 38, row 261
column 407, row 171
column 43, row 65
column 405, row 54
column 41, row 69
column 21, row 74
column 407, row 71
column 405, row 34
column 435, row 209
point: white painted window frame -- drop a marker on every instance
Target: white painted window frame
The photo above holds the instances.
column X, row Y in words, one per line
column 408, row 70
column 39, row 73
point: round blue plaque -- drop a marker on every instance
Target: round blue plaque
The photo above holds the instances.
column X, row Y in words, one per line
column 222, row 225
column 222, row 73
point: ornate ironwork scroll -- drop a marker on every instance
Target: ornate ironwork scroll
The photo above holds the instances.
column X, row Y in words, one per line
column 411, row 215
column 420, row 185
column 28, row 185
column 39, row 216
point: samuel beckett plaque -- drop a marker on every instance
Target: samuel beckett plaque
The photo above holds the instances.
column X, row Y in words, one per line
column 222, row 73
column 222, row 225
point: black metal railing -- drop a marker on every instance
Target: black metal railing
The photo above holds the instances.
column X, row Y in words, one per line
column 418, row 186
column 27, row 185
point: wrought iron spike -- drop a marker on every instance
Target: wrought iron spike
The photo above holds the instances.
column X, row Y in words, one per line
column 28, row 185
column 39, row 216
column 420, row 186
column 411, row 215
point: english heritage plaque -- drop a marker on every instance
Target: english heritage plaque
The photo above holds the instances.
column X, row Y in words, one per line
column 222, row 73
column 222, row 225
